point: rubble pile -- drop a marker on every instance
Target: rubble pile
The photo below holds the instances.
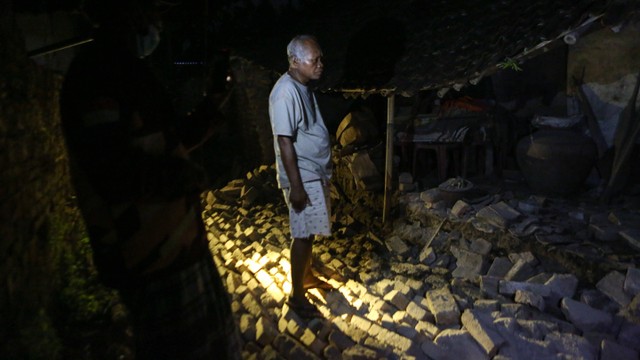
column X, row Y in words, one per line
column 488, row 276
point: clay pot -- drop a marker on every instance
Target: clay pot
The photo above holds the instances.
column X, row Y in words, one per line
column 556, row 161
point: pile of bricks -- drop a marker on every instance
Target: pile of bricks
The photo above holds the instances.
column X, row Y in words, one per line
column 421, row 291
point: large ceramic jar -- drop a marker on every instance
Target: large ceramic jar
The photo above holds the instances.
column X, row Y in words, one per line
column 556, row 161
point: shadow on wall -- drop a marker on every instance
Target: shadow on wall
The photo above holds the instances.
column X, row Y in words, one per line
column 372, row 53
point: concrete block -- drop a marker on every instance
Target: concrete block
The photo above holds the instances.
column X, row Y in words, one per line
column 427, row 255
column 384, row 286
column 376, row 345
column 489, row 285
column 401, row 284
column 312, row 342
column 527, row 256
column 375, row 329
column 401, row 317
column 480, row 246
column 540, row 278
column 414, row 285
column 268, row 302
column 510, row 287
column 253, row 265
column 491, row 217
column 247, row 327
column 499, row 215
column 459, row 344
column 537, row 329
column 517, row 311
column 529, row 298
column 336, row 264
column 397, row 246
column 500, row 267
column 632, row 281
column 254, row 286
column 428, row 329
column 266, row 331
column 360, row 323
column 433, row 351
column 431, row 196
column 571, row 346
column 399, row 342
column 596, row 299
column 612, row 285
column 264, row 278
column 562, row 285
column 469, row 264
column 251, row 305
column 480, row 326
column 416, row 311
column 584, row 316
column 520, row 271
column 516, row 344
column 443, row 306
column 302, row 353
column 284, row 345
column 340, row 340
column 356, row 287
column 407, row 331
column 295, row 326
column 274, row 291
column 233, row 281
column 461, row 208
column 486, row 305
column 357, row 352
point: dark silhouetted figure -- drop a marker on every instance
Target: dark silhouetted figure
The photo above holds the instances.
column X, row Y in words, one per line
column 138, row 191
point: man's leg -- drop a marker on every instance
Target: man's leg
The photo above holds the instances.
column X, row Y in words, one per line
column 308, row 273
column 300, row 259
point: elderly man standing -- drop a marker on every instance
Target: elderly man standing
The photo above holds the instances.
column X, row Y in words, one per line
column 303, row 158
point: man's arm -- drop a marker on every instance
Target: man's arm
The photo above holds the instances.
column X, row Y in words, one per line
column 298, row 196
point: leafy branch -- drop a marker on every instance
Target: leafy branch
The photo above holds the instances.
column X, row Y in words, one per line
column 510, row 63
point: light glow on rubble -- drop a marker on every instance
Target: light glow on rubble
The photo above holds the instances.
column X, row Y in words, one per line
column 269, row 272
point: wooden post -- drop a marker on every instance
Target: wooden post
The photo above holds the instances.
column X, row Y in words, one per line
column 388, row 166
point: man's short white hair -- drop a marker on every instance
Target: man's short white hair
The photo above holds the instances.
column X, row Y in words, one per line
column 296, row 48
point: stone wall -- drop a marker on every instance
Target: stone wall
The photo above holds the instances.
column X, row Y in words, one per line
column 36, row 199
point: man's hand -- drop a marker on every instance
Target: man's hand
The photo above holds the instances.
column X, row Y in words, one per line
column 298, row 198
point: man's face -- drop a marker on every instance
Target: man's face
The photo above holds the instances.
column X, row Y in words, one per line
column 310, row 67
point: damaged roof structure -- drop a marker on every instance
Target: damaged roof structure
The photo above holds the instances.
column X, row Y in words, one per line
column 406, row 46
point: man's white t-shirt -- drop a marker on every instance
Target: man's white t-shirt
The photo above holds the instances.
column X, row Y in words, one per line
column 294, row 112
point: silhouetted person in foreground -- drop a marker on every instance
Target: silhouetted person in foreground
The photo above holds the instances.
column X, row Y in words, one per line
column 303, row 158
column 138, row 191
